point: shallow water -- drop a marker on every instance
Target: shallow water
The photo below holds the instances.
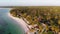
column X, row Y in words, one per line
column 8, row 25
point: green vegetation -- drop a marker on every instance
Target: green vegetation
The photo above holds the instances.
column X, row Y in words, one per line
column 50, row 16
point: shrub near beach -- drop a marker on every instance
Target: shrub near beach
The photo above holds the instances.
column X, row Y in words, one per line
column 46, row 19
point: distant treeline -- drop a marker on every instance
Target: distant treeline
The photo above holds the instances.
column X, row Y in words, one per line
column 37, row 11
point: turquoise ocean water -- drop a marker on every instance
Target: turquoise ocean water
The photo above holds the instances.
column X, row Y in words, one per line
column 7, row 24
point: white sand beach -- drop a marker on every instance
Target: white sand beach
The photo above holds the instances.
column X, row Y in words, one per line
column 20, row 22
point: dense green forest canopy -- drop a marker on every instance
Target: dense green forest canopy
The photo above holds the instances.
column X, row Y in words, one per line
column 37, row 11
column 41, row 14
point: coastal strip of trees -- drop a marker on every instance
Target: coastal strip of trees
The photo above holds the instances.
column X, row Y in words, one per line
column 50, row 16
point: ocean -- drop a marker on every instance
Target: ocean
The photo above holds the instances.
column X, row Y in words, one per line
column 7, row 24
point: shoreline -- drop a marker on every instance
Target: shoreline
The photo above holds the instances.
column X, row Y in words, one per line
column 20, row 22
